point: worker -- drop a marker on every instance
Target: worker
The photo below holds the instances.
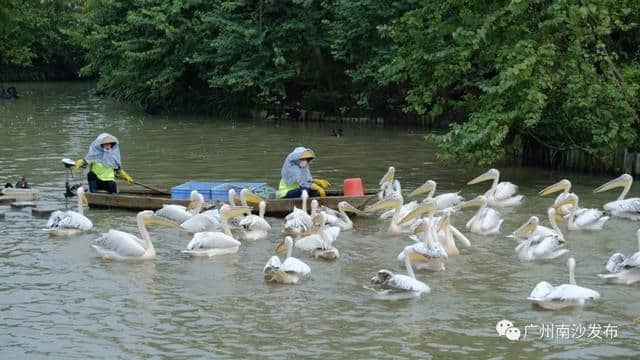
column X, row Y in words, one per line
column 22, row 184
column 104, row 163
column 296, row 176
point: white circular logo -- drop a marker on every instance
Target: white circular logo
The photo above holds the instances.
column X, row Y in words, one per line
column 513, row 333
column 502, row 326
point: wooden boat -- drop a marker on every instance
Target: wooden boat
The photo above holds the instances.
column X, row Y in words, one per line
column 148, row 200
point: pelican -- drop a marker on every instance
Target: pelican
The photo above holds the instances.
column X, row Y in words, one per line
column 583, row 219
column 625, row 208
column 443, row 201
column 541, row 244
column 119, row 245
column 290, row 271
column 387, row 183
column 298, row 221
column 178, row 213
column 70, row 222
column 499, row 194
column 393, row 202
column 395, row 190
column 563, row 185
column 623, row 270
column 255, row 227
column 390, row 286
column 246, row 196
column 436, row 254
column 486, row 221
column 553, row 298
column 340, row 218
column 212, row 243
column 320, row 244
column 205, row 221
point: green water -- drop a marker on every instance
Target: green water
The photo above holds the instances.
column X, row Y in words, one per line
column 59, row 300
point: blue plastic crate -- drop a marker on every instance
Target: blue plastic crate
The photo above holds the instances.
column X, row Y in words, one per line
column 221, row 191
column 183, row 191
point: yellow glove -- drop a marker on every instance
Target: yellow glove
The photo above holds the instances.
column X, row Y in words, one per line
column 80, row 163
column 323, row 183
column 122, row 174
column 318, row 189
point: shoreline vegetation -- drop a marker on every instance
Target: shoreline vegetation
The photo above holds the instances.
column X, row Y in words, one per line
column 554, row 83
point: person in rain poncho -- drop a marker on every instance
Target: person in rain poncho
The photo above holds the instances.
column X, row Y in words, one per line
column 296, row 175
column 104, row 163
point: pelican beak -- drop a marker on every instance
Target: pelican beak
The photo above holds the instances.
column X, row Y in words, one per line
column 424, row 188
column 383, row 204
column 525, row 229
column 417, row 257
column 236, row 211
column 471, row 203
column 558, row 218
column 85, row 201
column 282, row 247
column 559, row 186
column 155, row 220
column 388, row 177
column 620, row 181
column 253, row 198
column 354, row 210
column 427, row 208
column 420, row 228
column 484, row 177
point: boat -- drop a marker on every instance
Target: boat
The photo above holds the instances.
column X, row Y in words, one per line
column 137, row 200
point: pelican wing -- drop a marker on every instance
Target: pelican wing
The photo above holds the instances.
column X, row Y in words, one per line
column 633, row 261
column 205, row 221
column 505, row 190
column 69, row 220
column 407, row 283
column 490, row 220
column 273, row 264
column 631, row 205
column 541, row 291
column 255, row 222
column 448, row 200
column 545, row 247
column 432, row 249
column 586, row 217
column 120, row 243
column 212, row 240
column 295, row 265
column 616, row 263
column 311, row 242
column 177, row 213
column 567, row 292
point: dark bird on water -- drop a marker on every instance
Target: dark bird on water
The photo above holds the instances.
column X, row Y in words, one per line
column 337, row 132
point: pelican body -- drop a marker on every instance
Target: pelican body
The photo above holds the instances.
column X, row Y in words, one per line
column 298, row 221
column 563, row 185
column 443, row 202
column 69, row 223
column 436, row 254
column 178, row 213
column 540, row 243
column 486, row 221
column 621, row 207
column 566, row 295
column 623, row 270
column 212, row 243
column 290, row 271
column 582, row 218
column 500, row 194
column 320, row 244
column 390, row 286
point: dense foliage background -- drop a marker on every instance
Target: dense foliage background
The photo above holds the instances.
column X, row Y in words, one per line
column 562, row 74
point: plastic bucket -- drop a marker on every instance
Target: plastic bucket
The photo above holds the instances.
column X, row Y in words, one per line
column 353, row 187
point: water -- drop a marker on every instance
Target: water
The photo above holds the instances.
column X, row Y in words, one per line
column 58, row 299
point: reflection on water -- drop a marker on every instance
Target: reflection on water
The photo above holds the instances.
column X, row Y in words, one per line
column 58, row 299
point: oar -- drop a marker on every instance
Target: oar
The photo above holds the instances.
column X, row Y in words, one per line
column 152, row 188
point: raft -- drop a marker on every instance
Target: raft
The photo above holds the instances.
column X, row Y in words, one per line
column 146, row 200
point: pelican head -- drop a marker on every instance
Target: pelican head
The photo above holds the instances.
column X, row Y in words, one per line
column 196, row 200
column 249, row 196
column 428, row 207
column 229, row 212
column 345, row 206
column 392, row 202
column 478, row 201
column 388, row 177
column 81, row 195
column 284, row 245
column 623, row 180
column 527, row 228
column 562, row 185
column 492, row 174
column 570, row 199
column 428, row 187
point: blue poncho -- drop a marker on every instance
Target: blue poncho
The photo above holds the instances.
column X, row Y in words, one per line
column 291, row 170
column 107, row 158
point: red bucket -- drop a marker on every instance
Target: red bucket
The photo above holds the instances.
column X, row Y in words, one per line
column 353, row 187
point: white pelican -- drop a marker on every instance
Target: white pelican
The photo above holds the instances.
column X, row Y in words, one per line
column 625, row 208
column 436, row 254
column 501, row 194
column 255, row 227
column 205, row 221
column 119, row 245
column 486, row 221
column 553, row 298
column 563, row 185
column 443, row 201
column 387, row 183
column 178, row 213
column 212, row 243
column 540, row 243
column 340, row 218
column 298, row 221
column 583, row 219
column 290, row 271
column 320, row 244
column 246, row 196
column 393, row 202
column 623, row 270
column 69, row 222
column 390, row 286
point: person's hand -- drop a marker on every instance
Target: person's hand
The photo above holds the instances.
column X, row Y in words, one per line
column 80, row 163
column 323, row 183
column 125, row 177
column 318, row 189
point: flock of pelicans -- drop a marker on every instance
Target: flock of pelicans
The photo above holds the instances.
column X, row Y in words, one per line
column 219, row 231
